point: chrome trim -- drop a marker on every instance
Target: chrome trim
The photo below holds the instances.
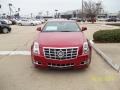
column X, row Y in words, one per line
column 67, row 55
column 60, row 66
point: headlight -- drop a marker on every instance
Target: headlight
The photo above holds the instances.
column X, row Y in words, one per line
column 85, row 48
column 36, row 48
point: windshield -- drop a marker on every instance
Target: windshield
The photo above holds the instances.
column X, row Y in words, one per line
column 61, row 27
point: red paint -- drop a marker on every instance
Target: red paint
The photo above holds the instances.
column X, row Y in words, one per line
column 61, row 40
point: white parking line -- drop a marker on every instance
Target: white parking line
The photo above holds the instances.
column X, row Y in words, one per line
column 11, row 53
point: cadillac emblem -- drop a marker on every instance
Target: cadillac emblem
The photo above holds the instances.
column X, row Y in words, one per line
column 60, row 54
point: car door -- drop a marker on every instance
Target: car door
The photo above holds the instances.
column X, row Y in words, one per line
column 27, row 22
column 22, row 22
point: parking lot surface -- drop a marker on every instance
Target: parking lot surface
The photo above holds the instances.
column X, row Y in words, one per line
column 112, row 50
column 18, row 73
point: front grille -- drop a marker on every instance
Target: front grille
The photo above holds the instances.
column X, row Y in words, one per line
column 60, row 53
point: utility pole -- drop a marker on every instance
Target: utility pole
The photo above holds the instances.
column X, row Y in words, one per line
column 18, row 9
column 31, row 15
column 82, row 10
column 56, row 13
column 18, row 13
column 10, row 9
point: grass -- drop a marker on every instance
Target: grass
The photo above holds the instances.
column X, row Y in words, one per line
column 114, row 24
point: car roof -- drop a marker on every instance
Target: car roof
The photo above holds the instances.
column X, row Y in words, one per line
column 60, row 20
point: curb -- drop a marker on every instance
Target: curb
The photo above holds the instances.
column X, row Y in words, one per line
column 105, row 57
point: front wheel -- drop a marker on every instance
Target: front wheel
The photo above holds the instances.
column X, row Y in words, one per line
column 5, row 30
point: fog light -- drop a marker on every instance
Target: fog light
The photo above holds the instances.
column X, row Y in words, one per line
column 84, row 62
column 37, row 62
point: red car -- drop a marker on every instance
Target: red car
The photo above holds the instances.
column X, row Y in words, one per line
column 61, row 44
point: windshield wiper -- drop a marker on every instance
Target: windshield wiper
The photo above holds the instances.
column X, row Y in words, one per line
column 65, row 31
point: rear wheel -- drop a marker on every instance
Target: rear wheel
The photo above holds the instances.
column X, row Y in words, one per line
column 5, row 30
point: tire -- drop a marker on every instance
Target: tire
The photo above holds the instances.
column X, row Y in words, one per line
column 5, row 30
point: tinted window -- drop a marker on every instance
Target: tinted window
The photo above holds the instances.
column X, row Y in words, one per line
column 61, row 27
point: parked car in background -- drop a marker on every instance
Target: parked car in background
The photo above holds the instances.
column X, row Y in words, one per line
column 75, row 19
column 111, row 20
column 61, row 44
column 118, row 19
column 102, row 19
column 4, row 28
column 2, row 21
column 42, row 20
column 25, row 22
column 37, row 21
column 13, row 21
column 78, row 19
column 7, row 21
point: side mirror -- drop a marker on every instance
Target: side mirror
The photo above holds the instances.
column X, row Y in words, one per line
column 39, row 29
column 84, row 28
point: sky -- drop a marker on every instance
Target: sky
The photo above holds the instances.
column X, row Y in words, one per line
column 35, row 6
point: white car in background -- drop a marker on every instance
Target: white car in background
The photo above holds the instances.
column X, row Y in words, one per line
column 102, row 19
column 7, row 21
column 26, row 22
column 37, row 21
column 42, row 20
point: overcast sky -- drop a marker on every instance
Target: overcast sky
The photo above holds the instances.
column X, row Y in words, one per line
column 35, row 6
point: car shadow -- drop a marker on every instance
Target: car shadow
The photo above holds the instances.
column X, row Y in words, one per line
column 60, row 71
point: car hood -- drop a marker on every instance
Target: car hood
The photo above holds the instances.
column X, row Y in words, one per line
column 61, row 39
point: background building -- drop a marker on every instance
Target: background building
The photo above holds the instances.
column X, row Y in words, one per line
column 71, row 14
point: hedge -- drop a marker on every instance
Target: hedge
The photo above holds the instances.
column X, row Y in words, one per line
column 114, row 24
column 107, row 36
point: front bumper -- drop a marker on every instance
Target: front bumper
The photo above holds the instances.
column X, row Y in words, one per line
column 81, row 61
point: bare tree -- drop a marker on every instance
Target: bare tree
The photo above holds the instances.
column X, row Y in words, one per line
column 91, row 9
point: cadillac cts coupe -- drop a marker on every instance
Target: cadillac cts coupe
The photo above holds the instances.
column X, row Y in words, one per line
column 61, row 44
